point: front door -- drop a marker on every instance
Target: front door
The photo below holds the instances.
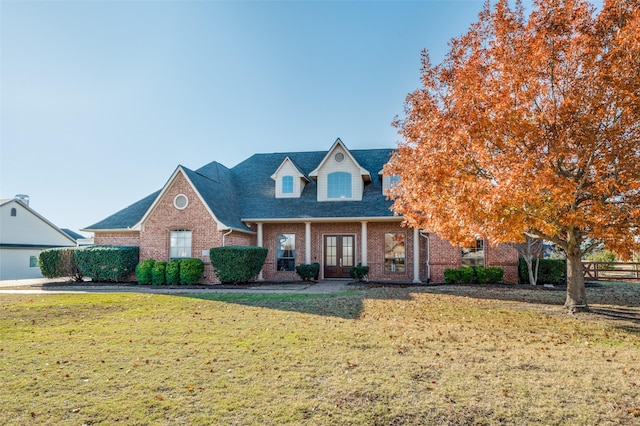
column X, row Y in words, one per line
column 339, row 255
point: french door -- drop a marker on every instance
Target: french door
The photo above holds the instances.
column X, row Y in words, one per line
column 339, row 255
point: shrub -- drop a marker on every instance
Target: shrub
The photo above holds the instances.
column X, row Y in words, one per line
column 191, row 271
column 482, row 275
column 550, row 271
column 308, row 272
column 172, row 272
column 237, row 264
column 466, row 275
column 359, row 272
column 143, row 271
column 158, row 273
column 451, row 276
column 103, row 263
column 60, row 262
column 494, row 275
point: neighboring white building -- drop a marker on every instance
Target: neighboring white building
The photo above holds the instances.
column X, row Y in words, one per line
column 23, row 235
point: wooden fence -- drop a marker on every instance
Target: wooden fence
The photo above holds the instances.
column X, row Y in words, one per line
column 611, row 271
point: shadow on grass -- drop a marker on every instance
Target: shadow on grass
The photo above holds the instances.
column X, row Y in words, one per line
column 347, row 304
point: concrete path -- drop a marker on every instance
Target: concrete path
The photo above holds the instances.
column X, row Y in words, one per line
column 39, row 286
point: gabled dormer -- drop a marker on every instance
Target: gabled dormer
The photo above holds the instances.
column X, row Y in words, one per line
column 339, row 176
column 388, row 181
column 290, row 181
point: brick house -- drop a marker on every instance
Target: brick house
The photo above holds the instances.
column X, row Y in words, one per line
column 328, row 207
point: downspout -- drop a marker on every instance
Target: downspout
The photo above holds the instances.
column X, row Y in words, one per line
column 425, row 234
column 224, row 235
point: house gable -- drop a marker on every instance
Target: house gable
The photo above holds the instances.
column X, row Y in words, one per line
column 21, row 226
column 339, row 176
column 289, row 180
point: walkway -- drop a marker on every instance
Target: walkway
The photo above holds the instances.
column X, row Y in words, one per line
column 52, row 286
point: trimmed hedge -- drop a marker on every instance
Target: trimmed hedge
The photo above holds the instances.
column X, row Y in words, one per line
column 307, row 271
column 237, row 264
column 172, row 272
column 359, row 272
column 60, row 262
column 104, row 263
column 479, row 274
column 143, row 271
column 550, row 271
column 191, row 271
column 158, row 273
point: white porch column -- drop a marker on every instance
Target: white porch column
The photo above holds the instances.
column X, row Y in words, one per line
column 416, row 255
column 364, row 243
column 307, row 243
column 259, row 244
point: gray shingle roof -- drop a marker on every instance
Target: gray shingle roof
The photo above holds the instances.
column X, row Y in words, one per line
column 247, row 191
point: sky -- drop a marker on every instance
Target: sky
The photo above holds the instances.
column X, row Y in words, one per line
column 100, row 101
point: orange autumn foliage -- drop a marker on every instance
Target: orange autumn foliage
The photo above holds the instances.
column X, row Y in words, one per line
column 531, row 124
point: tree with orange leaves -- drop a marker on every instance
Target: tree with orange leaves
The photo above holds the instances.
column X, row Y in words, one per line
column 530, row 126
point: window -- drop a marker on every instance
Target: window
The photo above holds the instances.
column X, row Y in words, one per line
column 33, row 261
column 180, row 202
column 179, row 244
column 394, row 252
column 339, row 185
column 14, row 212
column 287, row 184
column 474, row 255
column 286, row 252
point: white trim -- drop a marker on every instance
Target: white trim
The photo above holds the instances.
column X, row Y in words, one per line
column 364, row 173
column 324, row 219
column 175, row 202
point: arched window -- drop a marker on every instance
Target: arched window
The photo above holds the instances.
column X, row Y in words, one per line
column 14, row 212
column 287, row 184
column 339, row 185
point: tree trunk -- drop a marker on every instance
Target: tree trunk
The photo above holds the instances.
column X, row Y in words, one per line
column 576, row 293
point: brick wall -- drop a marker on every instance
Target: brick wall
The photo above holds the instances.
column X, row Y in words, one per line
column 131, row 238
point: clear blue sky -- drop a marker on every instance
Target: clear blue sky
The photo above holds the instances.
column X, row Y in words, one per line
column 102, row 100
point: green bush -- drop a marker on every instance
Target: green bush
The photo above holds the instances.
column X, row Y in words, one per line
column 482, row 275
column 451, row 276
column 191, row 271
column 143, row 271
column 172, row 272
column 60, row 262
column 237, row 264
column 158, row 271
column 308, row 272
column 104, row 263
column 467, row 276
column 359, row 272
column 494, row 274
column 550, row 271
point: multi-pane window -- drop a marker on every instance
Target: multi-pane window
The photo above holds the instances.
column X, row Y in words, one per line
column 286, row 252
column 287, row 184
column 474, row 255
column 394, row 252
column 179, row 244
column 339, row 185
column 33, row 261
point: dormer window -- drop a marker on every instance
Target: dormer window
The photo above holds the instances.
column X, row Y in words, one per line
column 287, row 184
column 339, row 185
column 388, row 182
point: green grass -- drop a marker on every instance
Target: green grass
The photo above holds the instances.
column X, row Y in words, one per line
column 437, row 355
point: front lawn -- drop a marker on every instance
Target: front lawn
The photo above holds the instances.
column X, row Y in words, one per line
column 435, row 355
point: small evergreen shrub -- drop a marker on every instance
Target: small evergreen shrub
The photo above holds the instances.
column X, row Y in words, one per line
column 143, row 271
column 191, row 271
column 106, row 263
column 494, row 275
column 452, row 276
column 359, row 272
column 237, row 264
column 308, row 272
column 172, row 272
column 482, row 275
column 158, row 271
column 467, row 275
column 60, row 262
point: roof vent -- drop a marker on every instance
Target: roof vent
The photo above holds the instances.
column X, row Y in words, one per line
column 22, row 197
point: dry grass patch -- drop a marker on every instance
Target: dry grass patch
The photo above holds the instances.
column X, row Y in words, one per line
column 441, row 355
